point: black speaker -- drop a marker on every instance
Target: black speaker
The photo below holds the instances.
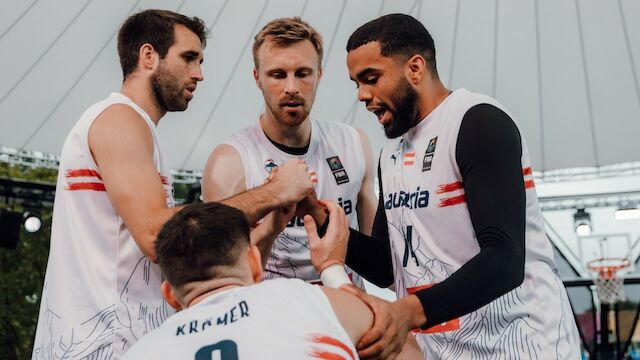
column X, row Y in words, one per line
column 10, row 222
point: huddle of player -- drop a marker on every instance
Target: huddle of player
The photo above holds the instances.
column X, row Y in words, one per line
column 461, row 221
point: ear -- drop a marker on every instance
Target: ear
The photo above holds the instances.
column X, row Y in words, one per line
column 319, row 74
column 415, row 69
column 256, row 77
column 255, row 263
column 169, row 295
column 148, row 58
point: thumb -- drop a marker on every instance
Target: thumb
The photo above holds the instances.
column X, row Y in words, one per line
column 310, row 227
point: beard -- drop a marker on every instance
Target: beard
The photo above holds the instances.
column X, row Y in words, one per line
column 405, row 111
column 168, row 91
column 288, row 118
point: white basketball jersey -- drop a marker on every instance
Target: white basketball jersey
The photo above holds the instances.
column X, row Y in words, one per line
column 101, row 293
column 432, row 237
column 336, row 163
column 278, row 319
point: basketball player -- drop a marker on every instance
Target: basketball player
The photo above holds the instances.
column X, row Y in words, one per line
column 213, row 273
column 114, row 193
column 458, row 224
column 287, row 56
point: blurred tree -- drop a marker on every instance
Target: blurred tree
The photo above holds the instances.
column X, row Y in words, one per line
column 22, row 272
column 22, row 269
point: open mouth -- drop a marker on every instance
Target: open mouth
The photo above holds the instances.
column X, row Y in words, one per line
column 379, row 112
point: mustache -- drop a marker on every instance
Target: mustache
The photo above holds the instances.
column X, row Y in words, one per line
column 292, row 99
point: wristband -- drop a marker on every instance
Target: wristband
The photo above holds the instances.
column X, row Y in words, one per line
column 334, row 276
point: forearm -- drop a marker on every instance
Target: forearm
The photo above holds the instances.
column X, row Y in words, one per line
column 145, row 236
column 489, row 275
column 370, row 258
column 255, row 203
column 263, row 238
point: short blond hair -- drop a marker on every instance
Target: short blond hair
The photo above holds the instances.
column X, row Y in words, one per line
column 286, row 31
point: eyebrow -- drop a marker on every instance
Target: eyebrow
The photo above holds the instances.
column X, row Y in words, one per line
column 364, row 73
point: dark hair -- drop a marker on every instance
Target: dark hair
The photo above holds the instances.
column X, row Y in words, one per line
column 199, row 238
column 286, row 31
column 153, row 27
column 399, row 35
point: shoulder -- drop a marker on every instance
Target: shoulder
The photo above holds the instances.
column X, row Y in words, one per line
column 334, row 130
column 118, row 117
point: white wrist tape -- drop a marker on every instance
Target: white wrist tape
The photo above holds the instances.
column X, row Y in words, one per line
column 334, row 276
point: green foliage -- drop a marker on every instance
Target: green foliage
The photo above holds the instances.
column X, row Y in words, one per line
column 28, row 173
column 22, row 274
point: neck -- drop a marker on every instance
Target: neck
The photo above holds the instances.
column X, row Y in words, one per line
column 140, row 92
column 195, row 292
column 432, row 95
column 296, row 136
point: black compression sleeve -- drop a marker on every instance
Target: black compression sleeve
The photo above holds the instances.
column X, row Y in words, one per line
column 370, row 256
column 488, row 153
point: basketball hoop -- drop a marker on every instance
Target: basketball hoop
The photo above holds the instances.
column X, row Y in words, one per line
column 608, row 279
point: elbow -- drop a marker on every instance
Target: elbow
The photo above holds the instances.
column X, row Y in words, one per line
column 147, row 245
column 516, row 275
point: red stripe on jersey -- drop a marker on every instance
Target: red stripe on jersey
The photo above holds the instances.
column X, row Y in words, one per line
column 527, row 171
column 408, row 162
column 328, row 340
column 454, row 200
column 164, row 179
column 95, row 186
column 326, row 355
column 409, row 154
column 445, row 188
column 82, row 173
column 528, row 184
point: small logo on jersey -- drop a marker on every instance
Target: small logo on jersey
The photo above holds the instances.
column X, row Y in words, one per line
column 269, row 164
column 339, row 173
column 409, row 157
column 428, row 155
column 397, row 151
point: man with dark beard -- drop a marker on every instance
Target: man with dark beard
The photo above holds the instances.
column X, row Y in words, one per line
column 102, row 287
column 458, row 226
column 287, row 57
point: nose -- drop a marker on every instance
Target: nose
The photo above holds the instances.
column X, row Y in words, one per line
column 196, row 74
column 364, row 94
column 291, row 86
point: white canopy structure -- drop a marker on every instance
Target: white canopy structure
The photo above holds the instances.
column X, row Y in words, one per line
column 568, row 70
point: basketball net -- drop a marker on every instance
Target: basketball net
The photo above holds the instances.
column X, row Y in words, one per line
column 609, row 280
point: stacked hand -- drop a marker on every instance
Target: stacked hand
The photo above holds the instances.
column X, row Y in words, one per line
column 332, row 247
column 291, row 182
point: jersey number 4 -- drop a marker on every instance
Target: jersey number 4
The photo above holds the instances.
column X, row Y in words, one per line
column 408, row 247
column 224, row 350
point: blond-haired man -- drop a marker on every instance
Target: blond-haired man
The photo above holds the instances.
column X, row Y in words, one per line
column 287, row 57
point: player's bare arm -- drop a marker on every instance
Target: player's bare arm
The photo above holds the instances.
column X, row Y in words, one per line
column 367, row 201
column 357, row 319
column 290, row 184
column 223, row 178
column 223, row 174
column 122, row 147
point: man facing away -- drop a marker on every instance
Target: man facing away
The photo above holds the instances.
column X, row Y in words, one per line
column 114, row 193
column 213, row 273
column 287, row 56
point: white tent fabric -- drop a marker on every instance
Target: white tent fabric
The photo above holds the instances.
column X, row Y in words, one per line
column 568, row 70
